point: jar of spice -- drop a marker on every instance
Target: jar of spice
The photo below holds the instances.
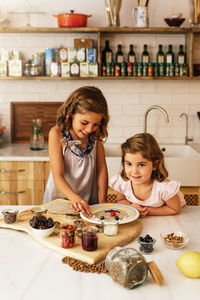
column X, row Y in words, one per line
column 127, row 267
column 27, row 69
column 10, row 215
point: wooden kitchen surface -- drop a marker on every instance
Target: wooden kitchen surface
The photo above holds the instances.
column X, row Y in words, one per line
column 126, row 234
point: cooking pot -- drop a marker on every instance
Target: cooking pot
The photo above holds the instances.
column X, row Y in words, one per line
column 71, row 19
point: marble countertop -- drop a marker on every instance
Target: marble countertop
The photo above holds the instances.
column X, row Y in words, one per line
column 22, row 152
column 29, row 271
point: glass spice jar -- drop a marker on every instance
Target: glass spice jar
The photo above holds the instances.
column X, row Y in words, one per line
column 10, row 215
column 127, row 267
column 110, row 227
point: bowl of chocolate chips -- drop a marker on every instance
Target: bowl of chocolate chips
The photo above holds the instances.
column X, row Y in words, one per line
column 42, row 226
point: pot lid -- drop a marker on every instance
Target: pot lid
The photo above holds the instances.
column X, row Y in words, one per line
column 69, row 13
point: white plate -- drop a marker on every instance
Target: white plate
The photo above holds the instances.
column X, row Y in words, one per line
column 133, row 214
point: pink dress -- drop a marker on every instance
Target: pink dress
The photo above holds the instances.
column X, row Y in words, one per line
column 161, row 191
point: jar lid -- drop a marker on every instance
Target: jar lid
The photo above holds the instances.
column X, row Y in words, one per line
column 155, row 272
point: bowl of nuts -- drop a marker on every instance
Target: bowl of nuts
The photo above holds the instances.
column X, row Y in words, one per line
column 42, row 226
column 175, row 240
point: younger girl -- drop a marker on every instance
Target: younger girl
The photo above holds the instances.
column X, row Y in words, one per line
column 77, row 157
column 143, row 183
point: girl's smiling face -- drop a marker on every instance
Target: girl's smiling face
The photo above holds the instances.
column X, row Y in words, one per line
column 85, row 124
column 137, row 168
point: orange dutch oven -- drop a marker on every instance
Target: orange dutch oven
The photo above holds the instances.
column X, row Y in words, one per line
column 71, row 19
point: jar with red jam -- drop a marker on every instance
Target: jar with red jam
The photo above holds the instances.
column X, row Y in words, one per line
column 67, row 233
column 89, row 241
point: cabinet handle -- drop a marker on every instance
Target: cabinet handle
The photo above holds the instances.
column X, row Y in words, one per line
column 20, row 192
column 11, row 171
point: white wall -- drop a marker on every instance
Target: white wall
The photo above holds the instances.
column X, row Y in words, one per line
column 127, row 100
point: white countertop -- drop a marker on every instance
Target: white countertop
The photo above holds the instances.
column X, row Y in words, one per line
column 22, row 152
column 28, row 271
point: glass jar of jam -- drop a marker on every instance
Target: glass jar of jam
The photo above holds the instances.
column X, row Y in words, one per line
column 89, row 241
column 67, row 233
column 127, row 267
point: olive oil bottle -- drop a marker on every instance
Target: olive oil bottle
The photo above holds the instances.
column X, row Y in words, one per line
column 131, row 54
column 107, row 54
column 145, row 55
column 160, row 57
column 119, row 55
column 170, row 55
column 181, row 58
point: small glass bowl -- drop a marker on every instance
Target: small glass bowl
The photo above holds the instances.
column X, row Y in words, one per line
column 38, row 211
column 10, row 215
column 146, row 247
column 174, row 240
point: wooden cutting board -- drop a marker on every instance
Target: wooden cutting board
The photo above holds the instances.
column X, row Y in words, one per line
column 126, row 234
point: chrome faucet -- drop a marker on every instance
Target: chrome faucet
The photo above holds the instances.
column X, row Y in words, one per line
column 154, row 107
column 187, row 139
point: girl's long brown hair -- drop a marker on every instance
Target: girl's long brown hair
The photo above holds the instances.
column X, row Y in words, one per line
column 149, row 148
column 86, row 98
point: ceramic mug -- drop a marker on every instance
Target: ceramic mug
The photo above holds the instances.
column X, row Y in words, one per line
column 140, row 16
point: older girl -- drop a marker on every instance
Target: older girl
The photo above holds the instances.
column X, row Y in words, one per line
column 77, row 158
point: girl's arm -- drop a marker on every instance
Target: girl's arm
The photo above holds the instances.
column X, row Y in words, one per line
column 121, row 199
column 171, row 207
column 57, row 167
column 102, row 173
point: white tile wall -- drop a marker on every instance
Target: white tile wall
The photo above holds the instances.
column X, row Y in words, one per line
column 127, row 100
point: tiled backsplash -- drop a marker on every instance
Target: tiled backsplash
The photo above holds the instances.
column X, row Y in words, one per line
column 127, row 101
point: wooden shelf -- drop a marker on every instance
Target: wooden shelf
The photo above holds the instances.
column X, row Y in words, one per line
column 98, row 78
column 158, row 30
column 101, row 32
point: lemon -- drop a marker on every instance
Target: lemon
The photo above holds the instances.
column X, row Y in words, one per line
column 189, row 264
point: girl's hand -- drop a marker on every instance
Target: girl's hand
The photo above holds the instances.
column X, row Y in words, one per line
column 82, row 206
column 143, row 210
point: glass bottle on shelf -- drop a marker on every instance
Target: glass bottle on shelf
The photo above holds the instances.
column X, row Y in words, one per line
column 119, row 54
column 131, row 54
column 145, row 55
column 160, row 57
column 107, row 54
column 170, row 55
column 37, row 138
column 181, row 58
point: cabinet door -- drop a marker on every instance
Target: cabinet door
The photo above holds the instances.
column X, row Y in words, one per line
column 21, row 192
column 21, row 170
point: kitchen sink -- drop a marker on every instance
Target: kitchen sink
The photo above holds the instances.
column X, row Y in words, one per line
column 182, row 162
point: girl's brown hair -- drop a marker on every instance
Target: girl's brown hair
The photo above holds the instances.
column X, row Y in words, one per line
column 86, row 98
column 149, row 148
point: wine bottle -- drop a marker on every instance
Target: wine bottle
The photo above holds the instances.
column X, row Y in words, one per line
column 107, row 54
column 131, row 55
column 170, row 55
column 160, row 57
column 119, row 55
column 181, row 58
column 145, row 55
